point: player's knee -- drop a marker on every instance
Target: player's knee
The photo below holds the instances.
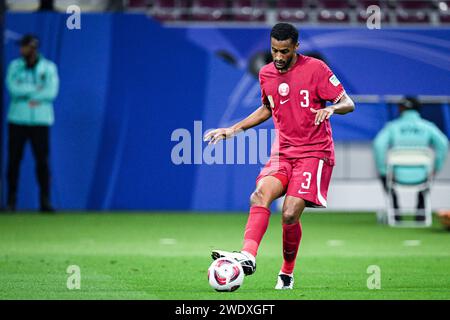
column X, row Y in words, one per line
column 258, row 199
column 290, row 214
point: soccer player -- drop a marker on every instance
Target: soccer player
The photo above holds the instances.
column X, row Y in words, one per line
column 294, row 90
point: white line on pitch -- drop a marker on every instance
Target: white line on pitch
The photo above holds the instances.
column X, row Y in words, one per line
column 335, row 243
column 168, row 241
column 411, row 243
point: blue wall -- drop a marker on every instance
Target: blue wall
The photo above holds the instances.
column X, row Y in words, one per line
column 127, row 83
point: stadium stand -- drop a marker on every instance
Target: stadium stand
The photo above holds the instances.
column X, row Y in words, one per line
column 433, row 12
column 354, row 12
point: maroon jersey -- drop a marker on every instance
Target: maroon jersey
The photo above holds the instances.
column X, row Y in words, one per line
column 290, row 95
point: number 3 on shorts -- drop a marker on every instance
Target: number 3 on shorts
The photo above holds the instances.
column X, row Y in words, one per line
column 307, row 183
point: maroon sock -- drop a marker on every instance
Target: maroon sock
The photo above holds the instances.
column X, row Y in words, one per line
column 257, row 223
column 292, row 234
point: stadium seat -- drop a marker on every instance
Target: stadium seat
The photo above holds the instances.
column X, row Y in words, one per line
column 420, row 163
column 366, row 3
column 171, row 10
column 412, row 16
column 297, row 15
column 333, row 11
column 444, row 17
column 165, row 15
column 414, row 4
column 288, row 4
column 210, row 3
column 165, row 3
column 297, row 11
column 209, row 10
column 334, row 4
column 138, row 3
column 333, row 16
column 292, row 11
column 248, row 10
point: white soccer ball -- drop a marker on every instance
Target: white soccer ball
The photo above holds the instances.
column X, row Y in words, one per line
column 225, row 274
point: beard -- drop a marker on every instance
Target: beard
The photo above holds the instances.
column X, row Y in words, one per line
column 284, row 65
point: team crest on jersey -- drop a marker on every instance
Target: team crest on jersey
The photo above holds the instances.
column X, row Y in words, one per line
column 283, row 89
column 334, row 80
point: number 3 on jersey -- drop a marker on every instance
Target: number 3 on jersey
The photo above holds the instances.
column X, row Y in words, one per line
column 305, row 96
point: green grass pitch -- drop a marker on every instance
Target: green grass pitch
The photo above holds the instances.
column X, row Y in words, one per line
column 166, row 256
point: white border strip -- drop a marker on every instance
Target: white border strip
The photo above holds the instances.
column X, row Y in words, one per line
column 339, row 96
column 319, row 178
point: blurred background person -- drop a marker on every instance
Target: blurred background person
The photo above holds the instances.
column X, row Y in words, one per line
column 33, row 83
column 128, row 139
column 410, row 131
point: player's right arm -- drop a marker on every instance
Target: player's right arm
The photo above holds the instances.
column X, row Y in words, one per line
column 258, row 116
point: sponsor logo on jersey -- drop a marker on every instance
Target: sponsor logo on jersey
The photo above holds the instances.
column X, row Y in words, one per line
column 283, row 89
column 334, row 80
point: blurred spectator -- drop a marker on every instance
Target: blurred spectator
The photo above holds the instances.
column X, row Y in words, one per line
column 46, row 5
column 410, row 130
column 33, row 83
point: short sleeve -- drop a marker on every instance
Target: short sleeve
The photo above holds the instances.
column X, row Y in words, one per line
column 328, row 85
column 264, row 99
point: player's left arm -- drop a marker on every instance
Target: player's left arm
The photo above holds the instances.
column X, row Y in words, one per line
column 344, row 105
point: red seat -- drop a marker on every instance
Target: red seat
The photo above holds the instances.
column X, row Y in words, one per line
column 412, row 16
column 444, row 17
column 333, row 16
column 137, row 3
column 165, row 3
column 210, row 3
column 292, row 11
column 291, row 4
column 165, row 16
column 414, row 4
column 248, row 10
column 209, row 10
column 366, row 3
column 213, row 15
column 256, row 15
column 293, row 15
column 334, row 4
column 171, row 10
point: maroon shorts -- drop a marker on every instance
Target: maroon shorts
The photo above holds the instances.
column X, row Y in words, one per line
column 306, row 178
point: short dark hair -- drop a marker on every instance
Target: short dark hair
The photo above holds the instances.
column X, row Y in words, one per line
column 410, row 102
column 29, row 40
column 283, row 31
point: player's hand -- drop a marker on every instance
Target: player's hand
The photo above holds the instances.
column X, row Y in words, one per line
column 216, row 135
column 322, row 114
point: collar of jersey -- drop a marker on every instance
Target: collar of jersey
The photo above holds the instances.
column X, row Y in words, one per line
column 410, row 114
